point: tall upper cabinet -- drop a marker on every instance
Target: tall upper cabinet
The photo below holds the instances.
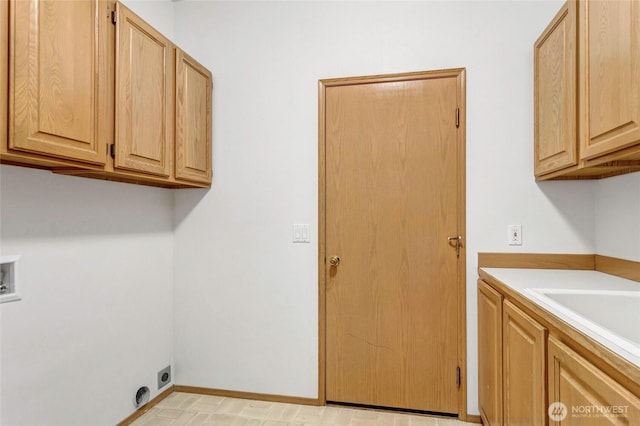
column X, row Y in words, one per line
column 93, row 93
column 587, row 91
column 4, row 71
column 58, row 91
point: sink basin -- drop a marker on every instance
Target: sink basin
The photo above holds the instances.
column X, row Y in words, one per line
column 612, row 315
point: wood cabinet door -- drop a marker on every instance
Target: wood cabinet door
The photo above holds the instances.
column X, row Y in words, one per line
column 4, row 73
column 610, row 85
column 555, row 80
column 144, row 96
column 590, row 397
column 58, row 93
column 524, row 360
column 193, row 119
column 490, row 354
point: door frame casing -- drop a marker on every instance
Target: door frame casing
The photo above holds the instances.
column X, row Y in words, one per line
column 460, row 75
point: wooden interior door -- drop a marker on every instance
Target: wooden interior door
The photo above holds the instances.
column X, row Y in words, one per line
column 392, row 200
column 59, row 93
column 145, row 79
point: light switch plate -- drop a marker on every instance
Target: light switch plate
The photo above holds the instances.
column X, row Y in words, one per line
column 301, row 233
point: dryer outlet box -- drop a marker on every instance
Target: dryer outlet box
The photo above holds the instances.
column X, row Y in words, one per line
column 164, row 377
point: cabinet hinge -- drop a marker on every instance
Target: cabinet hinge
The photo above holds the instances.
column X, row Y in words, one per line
column 457, row 117
column 112, row 150
column 114, row 17
column 458, row 378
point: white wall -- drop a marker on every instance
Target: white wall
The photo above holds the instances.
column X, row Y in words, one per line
column 246, row 297
column 95, row 319
column 617, row 206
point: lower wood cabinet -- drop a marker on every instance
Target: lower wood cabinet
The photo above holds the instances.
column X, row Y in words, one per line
column 523, row 368
column 588, row 396
column 511, row 362
column 527, row 376
column 490, row 354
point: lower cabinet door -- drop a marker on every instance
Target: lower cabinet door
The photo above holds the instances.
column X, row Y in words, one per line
column 581, row 394
column 489, row 354
column 524, row 372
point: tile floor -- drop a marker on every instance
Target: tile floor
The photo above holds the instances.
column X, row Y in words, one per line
column 201, row 410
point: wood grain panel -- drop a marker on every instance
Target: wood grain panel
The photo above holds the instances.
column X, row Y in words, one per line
column 489, row 354
column 583, row 389
column 536, row 261
column 59, row 90
column 4, row 73
column 524, row 369
column 193, row 119
column 610, row 86
column 555, row 75
column 619, row 267
column 144, row 96
column 391, row 203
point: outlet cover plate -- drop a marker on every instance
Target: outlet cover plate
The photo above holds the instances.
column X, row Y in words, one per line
column 514, row 235
column 164, row 377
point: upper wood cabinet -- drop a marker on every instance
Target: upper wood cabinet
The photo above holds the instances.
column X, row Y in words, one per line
column 144, row 96
column 4, row 71
column 610, row 81
column 587, row 91
column 93, row 93
column 193, row 119
column 555, row 83
column 58, row 93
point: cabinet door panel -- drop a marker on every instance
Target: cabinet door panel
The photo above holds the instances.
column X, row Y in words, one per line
column 193, row 120
column 556, row 94
column 144, row 96
column 4, row 73
column 610, row 86
column 490, row 354
column 584, row 389
column 524, row 344
column 59, row 91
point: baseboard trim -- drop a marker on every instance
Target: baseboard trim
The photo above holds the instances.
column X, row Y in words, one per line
column 249, row 395
column 473, row 418
column 148, row 406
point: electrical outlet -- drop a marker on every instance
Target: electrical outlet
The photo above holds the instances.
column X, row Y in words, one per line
column 164, row 377
column 514, row 237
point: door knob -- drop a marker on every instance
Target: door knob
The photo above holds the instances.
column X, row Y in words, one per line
column 334, row 261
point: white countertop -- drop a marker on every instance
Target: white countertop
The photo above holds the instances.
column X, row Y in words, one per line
column 521, row 280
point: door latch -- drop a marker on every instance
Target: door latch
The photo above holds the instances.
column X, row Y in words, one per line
column 458, row 243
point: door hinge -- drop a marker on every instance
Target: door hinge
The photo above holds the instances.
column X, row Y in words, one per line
column 457, row 117
column 458, row 378
column 114, row 17
column 112, row 150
